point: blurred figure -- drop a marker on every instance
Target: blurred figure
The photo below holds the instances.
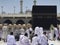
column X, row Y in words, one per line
column 19, row 26
column 24, row 26
column 11, row 39
column 40, row 34
column 29, row 26
column 16, row 32
column 1, row 31
column 22, row 30
column 35, row 40
column 49, row 35
column 37, row 31
column 26, row 40
column 44, row 40
column 52, row 32
column 29, row 30
column 41, row 31
column 10, row 28
column 56, row 33
column 5, row 32
column 14, row 28
column 20, row 39
column 59, row 32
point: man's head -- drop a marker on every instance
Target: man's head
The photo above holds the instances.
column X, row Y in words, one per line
column 11, row 33
column 44, row 33
column 35, row 35
column 26, row 34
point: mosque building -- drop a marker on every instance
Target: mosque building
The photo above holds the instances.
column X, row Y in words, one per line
column 21, row 18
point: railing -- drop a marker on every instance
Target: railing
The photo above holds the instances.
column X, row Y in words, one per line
column 20, row 15
column 15, row 15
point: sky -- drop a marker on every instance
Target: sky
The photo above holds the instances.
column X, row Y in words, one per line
column 27, row 5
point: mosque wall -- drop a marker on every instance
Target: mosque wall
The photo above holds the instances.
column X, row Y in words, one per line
column 15, row 20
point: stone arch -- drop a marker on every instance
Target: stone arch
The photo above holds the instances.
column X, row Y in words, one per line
column 8, row 21
column 30, row 22
column 20, row 22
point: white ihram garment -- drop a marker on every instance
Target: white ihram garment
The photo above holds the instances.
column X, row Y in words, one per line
column 25, row 41
column 44, row 40
column 35, row 40
column 5, row 32
column 11, row 40
column 22, row 31
column 20, row 39
column 56, row 33
column 37, row 30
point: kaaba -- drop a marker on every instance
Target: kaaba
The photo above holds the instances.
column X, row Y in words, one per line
column 44, row 16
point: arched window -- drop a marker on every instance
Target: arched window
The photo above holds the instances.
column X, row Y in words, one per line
column 8, row 21
column 20, row 22
column 30, row 22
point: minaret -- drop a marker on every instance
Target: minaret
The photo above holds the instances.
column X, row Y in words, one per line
column 2, row 9
column 14, row 9
column 34, row 2
column 21, row 6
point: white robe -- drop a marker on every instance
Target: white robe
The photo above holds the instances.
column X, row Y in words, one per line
column 49, row 36
column 30, row 29
column 16, row 32
column 41, row 30
column 11, row 40
column 39, row 38
column 27, row 31
column 35, row 40
column 40, row 35
column 44, row 40
column 22, row 31
column 52, row 34
column 56, row 33
column 5, row 32
column 25, row 41
column 37, row 30
column 20, row 39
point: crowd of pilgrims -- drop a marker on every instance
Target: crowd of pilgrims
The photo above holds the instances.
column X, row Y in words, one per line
column 26, row 35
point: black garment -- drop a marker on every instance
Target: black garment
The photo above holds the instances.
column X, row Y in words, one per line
column 54, row 35
column 0, row 39
column 17, row 37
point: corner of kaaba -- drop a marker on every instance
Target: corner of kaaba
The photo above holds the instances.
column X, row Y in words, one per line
column 44, row 16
